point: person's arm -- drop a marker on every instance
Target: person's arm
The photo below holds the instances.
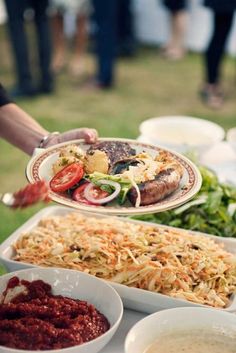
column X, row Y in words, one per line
column 18, row 128
column 21, row 130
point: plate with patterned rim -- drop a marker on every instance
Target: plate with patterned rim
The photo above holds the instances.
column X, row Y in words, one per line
column 40, row 168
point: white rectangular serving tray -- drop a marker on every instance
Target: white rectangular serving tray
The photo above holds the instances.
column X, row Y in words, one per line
column 133, row 298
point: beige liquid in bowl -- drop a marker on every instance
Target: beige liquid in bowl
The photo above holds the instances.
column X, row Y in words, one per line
column 177, row 136
column 196, row 341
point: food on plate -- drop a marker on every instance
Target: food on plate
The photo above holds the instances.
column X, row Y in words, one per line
column 32, row 318
column 68, row 155
column 115, row 150
column 194, row 341
column 152, row 191
column 96, row 161
column 170, row 261
column 67, row 177
column 115, row 168
column 212, row 211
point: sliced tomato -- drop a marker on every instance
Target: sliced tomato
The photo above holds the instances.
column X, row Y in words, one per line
column 96, row 192
column 67, row 177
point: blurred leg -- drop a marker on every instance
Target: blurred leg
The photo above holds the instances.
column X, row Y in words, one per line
column 106, row 19
column 81, row 36
column 175, row 48
column 44, row 43
column 77, row 65
column 125, row 40
column 15, row 11
column 215, row 51
column 211, row 93
column 58, row 60
column 179, row 25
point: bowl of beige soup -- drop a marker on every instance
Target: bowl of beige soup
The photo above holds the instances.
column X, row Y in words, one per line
column 189, row 330
column 183, row 134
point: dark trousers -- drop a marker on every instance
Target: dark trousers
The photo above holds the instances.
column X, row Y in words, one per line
column 215, row 51
column 125, row 33
column 15, row 11
column 105, row 16
column 175, row 5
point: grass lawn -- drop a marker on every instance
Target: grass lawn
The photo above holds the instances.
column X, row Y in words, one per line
column 146, row 86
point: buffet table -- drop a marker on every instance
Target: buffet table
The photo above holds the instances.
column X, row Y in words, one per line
column 116, row 345
column 222, row 159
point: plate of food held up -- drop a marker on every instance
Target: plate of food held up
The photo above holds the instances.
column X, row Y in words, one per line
column 115, row 176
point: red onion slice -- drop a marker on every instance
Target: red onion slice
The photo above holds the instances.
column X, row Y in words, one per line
column 109, row 198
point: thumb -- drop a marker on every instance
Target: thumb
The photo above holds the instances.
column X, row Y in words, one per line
column 89, row 135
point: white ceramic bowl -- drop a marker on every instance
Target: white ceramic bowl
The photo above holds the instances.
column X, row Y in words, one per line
column 76, row 285
column 231, row 138
column 181, row 133
column 146, row 331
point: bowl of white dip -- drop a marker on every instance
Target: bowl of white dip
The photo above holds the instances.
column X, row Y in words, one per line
column 181, row 133
column 190, row 330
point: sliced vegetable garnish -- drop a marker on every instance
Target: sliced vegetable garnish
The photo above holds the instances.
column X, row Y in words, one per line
column 78, row 194
column 124, row 183
column 96, row 195
column 67, row 177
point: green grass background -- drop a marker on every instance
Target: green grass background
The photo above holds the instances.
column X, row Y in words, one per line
column 146, row 86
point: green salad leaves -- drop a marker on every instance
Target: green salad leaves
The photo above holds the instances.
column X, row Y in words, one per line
column 213, row 209
column 124, row 183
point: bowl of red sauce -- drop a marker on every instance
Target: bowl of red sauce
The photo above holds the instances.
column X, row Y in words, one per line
column 56, row 310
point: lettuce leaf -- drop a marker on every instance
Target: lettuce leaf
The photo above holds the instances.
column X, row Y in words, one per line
column 212, row 210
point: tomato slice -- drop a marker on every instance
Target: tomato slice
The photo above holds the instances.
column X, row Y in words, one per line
column 67, row 177
column 96, row 192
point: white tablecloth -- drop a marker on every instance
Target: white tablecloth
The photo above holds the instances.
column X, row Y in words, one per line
column 116, row 345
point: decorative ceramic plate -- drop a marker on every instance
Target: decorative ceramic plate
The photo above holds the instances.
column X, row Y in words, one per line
column 40, row 167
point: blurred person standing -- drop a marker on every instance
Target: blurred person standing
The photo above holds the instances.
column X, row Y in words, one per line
column 16, row 25
column 223, row 13
column 81, row 9
column 175, row 48
column 105, row 17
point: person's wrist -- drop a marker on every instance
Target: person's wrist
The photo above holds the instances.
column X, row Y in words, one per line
column 47, row 138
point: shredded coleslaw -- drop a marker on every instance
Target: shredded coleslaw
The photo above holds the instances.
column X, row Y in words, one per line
column 160, row 259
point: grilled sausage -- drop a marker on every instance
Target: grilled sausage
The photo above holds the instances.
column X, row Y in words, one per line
column 166, row 182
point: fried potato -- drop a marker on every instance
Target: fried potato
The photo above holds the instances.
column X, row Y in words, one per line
column 72, row 150
column 96, row 161
column 68, row 155
column 62, row 162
